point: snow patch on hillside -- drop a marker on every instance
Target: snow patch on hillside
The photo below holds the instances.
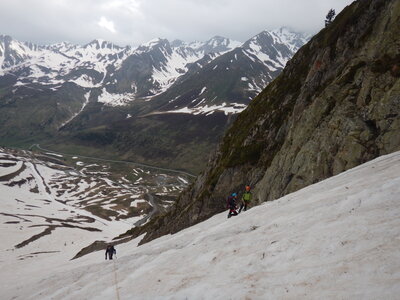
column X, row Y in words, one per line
column 85, row 81
column 226, row 108
column 174, row 67
column 115, row 99
column 86, row 96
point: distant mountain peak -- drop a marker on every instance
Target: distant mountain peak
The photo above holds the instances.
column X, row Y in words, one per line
column 283, row 29
column 218, row 44
column 4, row 37
column 101, row 44
column 153, row 42
column 282, row 36
column 177, row 43
column 62, row 46
column 291, row 37
column 218, row 38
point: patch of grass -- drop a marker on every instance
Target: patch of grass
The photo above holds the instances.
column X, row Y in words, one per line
column 97, row 210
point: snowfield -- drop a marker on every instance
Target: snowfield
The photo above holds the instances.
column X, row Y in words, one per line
column 49, row 211
column 337, row 239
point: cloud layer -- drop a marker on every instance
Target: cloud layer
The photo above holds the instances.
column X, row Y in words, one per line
column 131, row 22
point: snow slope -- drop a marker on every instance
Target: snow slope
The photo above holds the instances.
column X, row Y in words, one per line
column 49, row 210
column 337, row 239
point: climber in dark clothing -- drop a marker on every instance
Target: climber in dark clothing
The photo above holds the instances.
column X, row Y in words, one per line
column 110, row 251
column 231, row 205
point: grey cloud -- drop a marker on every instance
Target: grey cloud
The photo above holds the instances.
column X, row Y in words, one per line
column 137, row 21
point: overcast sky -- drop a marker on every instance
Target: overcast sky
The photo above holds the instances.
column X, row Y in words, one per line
column 131, row 22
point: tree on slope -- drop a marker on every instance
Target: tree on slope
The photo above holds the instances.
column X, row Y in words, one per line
column 330, row 16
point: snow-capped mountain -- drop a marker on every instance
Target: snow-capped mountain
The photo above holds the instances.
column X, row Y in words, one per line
column 96, row 63
column 131, row 73
column 335, row 239
column 228, row 82
column 156, row 65
column 217, row 44
column 274, row 48
column 57, row 64
column 88, row 92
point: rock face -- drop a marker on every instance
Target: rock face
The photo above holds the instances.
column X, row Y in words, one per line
column 336, row 105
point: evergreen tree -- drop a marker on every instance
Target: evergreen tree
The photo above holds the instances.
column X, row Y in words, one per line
column 330, row 16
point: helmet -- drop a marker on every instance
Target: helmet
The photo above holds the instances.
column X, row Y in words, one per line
column 247, row 188
column 234, row 194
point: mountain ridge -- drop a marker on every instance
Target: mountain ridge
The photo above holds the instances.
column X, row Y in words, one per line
column 153, row 90
column 16, row 53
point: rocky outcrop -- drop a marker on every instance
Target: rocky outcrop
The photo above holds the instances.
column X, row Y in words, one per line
column 336, row 105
